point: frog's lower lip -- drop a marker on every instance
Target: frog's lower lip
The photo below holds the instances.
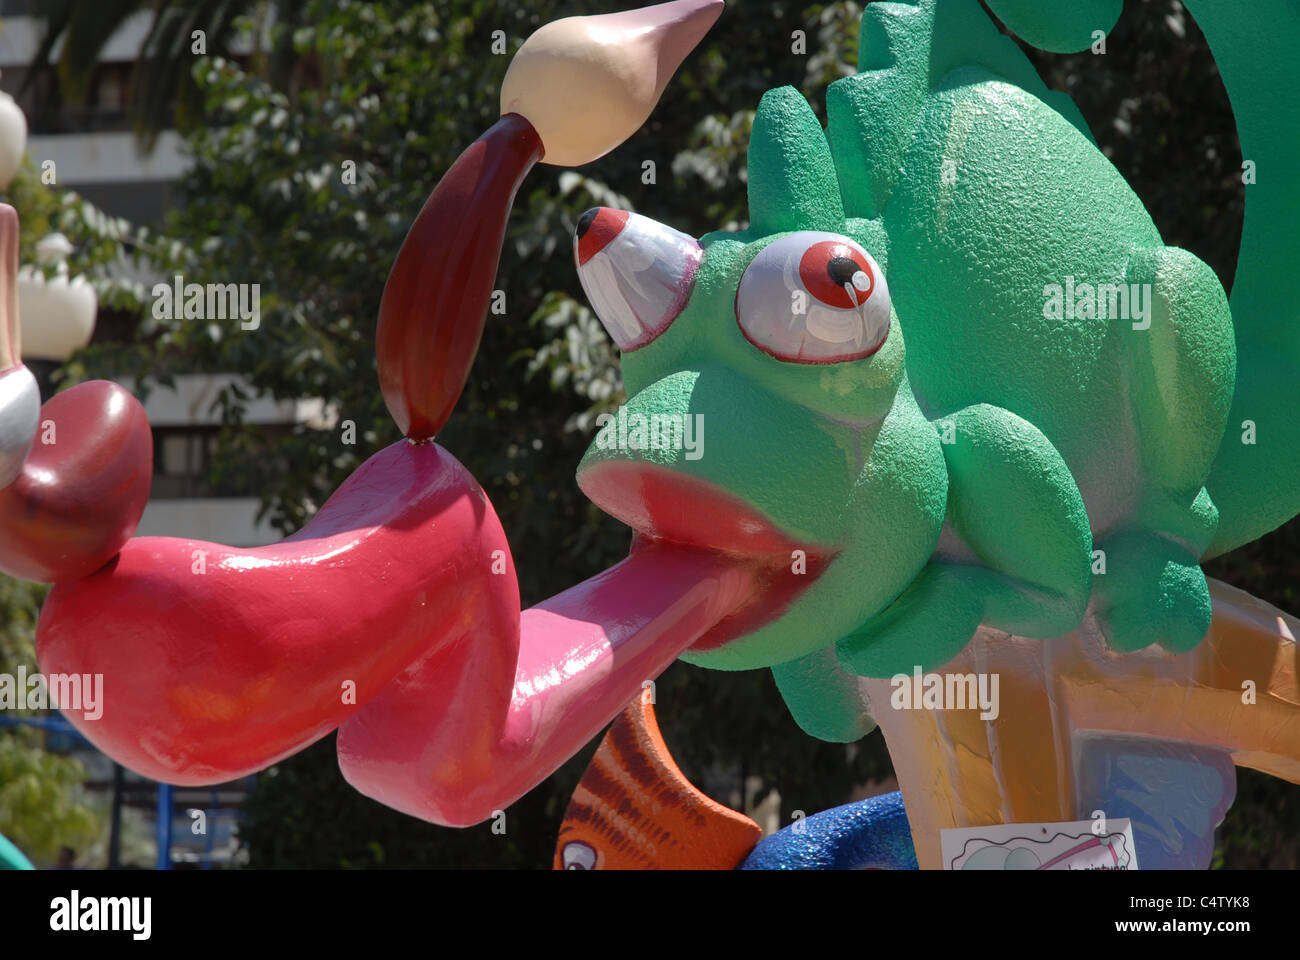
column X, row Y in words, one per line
column 670, row 508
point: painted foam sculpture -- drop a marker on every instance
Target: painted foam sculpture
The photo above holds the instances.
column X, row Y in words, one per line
column 932, row 414
column 20, row 397
column 1016, row 436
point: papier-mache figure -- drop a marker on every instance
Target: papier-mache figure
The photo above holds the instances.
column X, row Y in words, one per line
column 965, row 412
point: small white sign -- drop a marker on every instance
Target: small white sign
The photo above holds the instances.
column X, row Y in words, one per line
column 1075, row 845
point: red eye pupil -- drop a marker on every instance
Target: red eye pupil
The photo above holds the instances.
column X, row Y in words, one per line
column 830, row 268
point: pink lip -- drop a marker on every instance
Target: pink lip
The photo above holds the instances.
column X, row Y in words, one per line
column 666, row 506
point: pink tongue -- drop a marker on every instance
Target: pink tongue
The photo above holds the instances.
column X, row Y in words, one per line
column 479, row 723
column 626, row 626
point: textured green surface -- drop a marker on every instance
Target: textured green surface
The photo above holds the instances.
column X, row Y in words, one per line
column 792, row 184
column 825, row 700
column 1059, row 27
column 1257, row 487
column 972, row 480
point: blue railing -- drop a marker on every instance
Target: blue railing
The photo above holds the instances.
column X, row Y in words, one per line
column 166, row 792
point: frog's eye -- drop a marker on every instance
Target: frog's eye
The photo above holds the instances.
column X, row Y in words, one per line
column 637, row 273
column 814, row 298
column 578, row 856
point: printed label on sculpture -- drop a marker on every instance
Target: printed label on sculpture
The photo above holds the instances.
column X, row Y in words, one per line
column 1073, row 845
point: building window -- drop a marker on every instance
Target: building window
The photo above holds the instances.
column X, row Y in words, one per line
column 181, row 458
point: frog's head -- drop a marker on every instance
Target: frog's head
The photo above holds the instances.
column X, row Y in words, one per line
column 760, row 367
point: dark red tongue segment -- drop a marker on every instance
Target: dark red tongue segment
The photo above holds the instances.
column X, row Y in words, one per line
column 436, row 298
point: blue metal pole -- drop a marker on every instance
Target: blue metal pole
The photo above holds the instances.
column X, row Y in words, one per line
column 212, row 829
column 54, row 724
column 164, row 826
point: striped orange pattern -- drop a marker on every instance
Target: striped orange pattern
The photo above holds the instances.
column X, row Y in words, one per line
column 635, row 810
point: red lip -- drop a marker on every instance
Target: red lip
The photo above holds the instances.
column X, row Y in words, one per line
column 666, row 506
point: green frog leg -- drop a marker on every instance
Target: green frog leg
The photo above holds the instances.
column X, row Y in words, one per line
column 1015, row 553
column 1180, row 370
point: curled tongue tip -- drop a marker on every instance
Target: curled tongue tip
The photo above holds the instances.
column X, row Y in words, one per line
column 588, row 83
column 10, row 334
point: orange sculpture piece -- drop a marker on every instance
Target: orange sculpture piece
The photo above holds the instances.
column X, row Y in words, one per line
column 635, row 809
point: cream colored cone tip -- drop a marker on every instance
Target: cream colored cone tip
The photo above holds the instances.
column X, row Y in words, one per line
column 588, row 83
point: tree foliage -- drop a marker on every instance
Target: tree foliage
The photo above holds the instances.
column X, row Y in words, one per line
column 162, row 93
column 42, row 805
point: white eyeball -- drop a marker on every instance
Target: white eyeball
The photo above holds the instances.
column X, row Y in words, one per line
column 578, row 856
column 814, row 297
column 637, row 273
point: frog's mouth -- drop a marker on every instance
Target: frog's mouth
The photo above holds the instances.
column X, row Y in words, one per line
column 679, row 512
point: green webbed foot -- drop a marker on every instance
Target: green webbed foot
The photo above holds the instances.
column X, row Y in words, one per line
column 1153, row 591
